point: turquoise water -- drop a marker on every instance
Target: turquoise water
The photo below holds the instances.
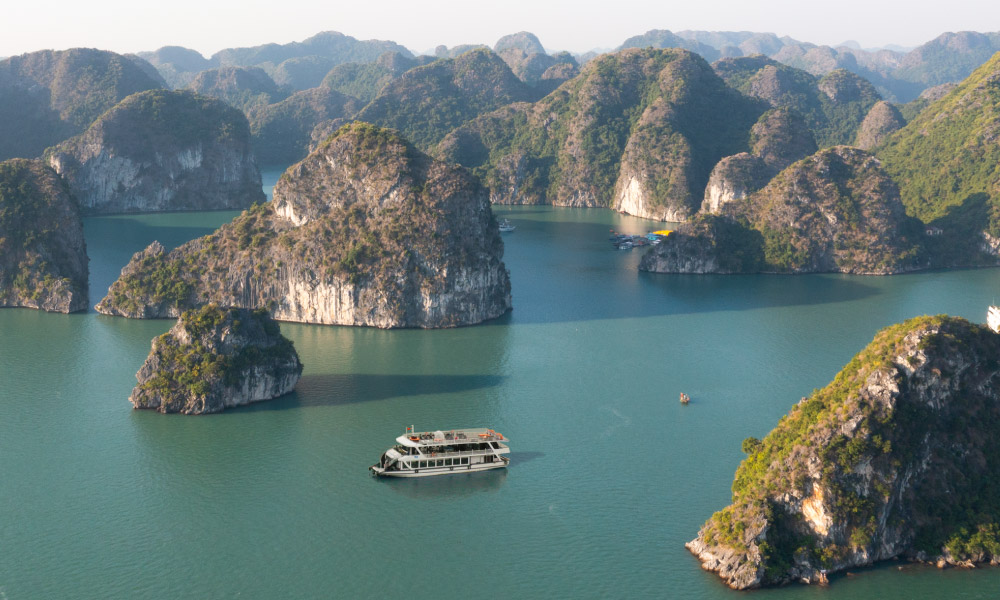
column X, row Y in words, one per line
column 610, row 475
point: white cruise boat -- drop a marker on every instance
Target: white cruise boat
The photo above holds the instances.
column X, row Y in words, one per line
column 443, row 453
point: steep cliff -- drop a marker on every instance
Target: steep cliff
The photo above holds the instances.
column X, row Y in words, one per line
column 48, row 96
column 638, row 131
column 161, row 151
column 896, row 457
column 734, row 178
column 367, row 230
column 43, row 256
column 216, row 358
column 836, row 210
column 779, row 138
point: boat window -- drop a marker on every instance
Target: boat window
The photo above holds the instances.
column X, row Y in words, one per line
column 423, row 464
column 439, row 463
column 465, row 461
column 493, row 445
column 447, row 462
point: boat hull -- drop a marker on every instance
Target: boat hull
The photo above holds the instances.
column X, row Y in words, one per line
column 432, row 471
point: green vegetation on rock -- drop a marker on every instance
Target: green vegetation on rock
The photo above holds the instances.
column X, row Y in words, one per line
column 427, row 102
column 43, row 256
column 660, row 117
column 48, row 96
column 897, row 456
column 161, row 150
column 281, row 131
column 833, row 106
column 240, row 87
column 367, row 230
column 950, row 153
column 215, row 358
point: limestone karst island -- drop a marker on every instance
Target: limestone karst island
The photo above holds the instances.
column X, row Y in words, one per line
column 333, row 300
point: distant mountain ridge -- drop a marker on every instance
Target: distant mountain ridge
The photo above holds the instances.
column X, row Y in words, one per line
column 898, row 75
column 48, row 96
column 330, row 48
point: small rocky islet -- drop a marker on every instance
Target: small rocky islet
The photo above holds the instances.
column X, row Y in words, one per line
column 216, row 358
column 896, row 458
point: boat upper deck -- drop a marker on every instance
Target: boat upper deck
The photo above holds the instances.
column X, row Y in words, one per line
column 451, row 437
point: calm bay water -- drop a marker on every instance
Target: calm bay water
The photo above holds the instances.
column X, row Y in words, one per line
column 610, row 475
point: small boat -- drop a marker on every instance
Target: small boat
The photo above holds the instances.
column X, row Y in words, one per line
column 443, row 453
column 625, row 245
column 506, row 226
column 685, row 398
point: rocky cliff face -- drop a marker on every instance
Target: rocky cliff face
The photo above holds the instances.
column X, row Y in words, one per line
column 834, row 211
column 366, row 231
column 43, row 256
column 161, row 151
column 779, row 138
column 637, row 131
column 734, row 178
column 214, row 359
column 896, row 457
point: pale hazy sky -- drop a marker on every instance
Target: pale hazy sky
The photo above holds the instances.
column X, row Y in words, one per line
column 210, row 25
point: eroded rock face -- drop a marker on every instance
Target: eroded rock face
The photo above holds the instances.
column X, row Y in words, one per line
column 734, row 178
column 835, row 211
column 161, row 151
column 893, row 459
column 43, row 256
column 582, row 145
column 779, row 138
column 214, row 359
column 365, row 231
column 882, row 121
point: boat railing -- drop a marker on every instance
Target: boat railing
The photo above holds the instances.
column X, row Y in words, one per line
column 453, row 453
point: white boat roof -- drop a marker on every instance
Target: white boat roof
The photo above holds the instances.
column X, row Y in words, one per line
column 450, row 437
